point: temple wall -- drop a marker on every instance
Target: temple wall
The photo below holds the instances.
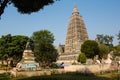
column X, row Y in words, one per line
column 67, row 58
column 87, row 68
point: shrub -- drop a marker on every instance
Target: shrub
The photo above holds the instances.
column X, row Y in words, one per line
column 53, row 65
column 82, row 58
column 74, row 63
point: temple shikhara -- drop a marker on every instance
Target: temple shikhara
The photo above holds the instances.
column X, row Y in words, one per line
column 76, row 35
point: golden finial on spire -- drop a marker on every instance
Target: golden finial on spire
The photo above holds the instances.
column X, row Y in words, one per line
column 75, row 6
column 75, row 9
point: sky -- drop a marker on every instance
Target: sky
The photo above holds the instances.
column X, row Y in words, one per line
column 100, row 17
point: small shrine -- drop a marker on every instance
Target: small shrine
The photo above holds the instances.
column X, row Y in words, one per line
column 28, row 60
column 28, row 66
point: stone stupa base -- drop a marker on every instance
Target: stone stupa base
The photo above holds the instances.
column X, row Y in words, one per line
column 16, row 73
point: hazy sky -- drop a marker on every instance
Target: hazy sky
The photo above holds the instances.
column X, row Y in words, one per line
column 100, row 17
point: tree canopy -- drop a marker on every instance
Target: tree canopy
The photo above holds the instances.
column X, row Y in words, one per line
column 25, row 6
column 81, row 58
column 90, row 48
column 117, row 50
column 44, row 50
column 12, row 46
column 103, row 50
column 118, row 37
column 105, row 39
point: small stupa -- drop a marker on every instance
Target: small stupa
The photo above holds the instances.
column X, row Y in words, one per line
column 28, row 60
column 28, row 67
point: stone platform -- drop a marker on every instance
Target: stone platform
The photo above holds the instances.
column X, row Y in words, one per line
column 16, row 73
column 67, row 58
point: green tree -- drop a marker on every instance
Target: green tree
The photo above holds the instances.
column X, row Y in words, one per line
column 105, row 39
column 103, row 51
column 17, row 46
column 12, row 46
column 108, row 40
column 100, row 38
column 25, row 6
column 118, row 37
column 90, row 48
column 111, row 40
column 117, row 50
column 4, row 43
column 82, row 58
column 44, row 50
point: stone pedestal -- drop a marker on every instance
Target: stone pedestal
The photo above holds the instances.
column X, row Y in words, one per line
column 16, row 73
column 28, row 62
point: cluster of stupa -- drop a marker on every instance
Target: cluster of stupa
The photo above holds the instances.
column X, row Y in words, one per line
column 76, row 35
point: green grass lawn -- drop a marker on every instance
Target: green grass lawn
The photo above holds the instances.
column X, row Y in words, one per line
column 70, row 76
column 4, row 77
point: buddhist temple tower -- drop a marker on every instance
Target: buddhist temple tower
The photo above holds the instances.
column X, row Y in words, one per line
column 76, row 33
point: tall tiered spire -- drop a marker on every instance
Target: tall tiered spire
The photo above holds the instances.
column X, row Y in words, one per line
column 76, row 34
